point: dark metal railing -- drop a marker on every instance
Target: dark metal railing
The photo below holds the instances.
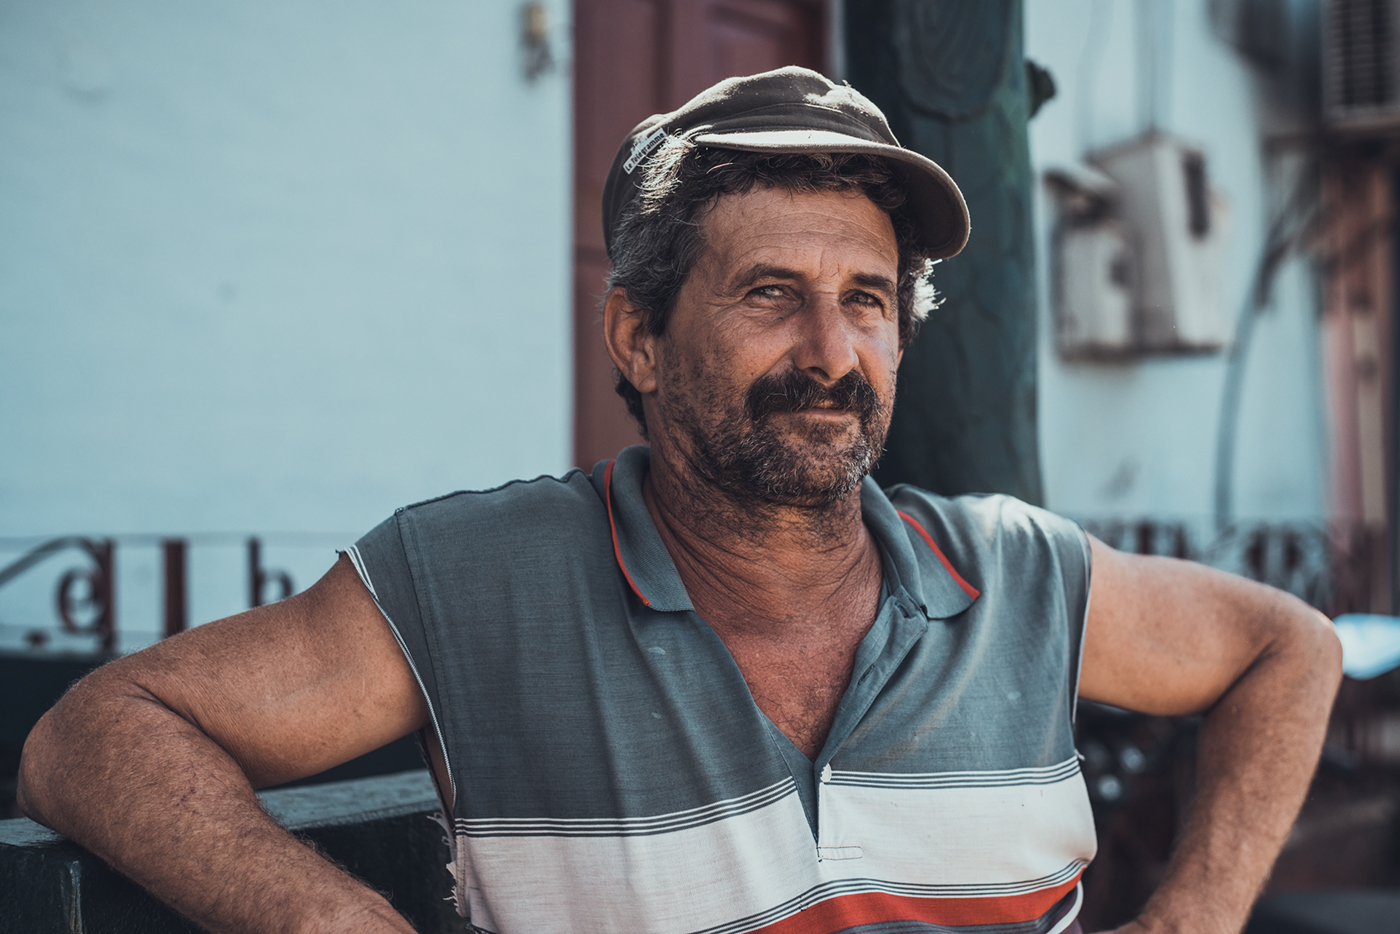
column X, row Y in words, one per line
column 1336, row 567
column 1140, row 769
column 84, row 599
column 98, row 577
column 259, row 578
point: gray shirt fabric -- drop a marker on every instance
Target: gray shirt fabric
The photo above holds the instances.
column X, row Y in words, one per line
column 609, row 768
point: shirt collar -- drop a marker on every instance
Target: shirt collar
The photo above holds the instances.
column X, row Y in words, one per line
column 922, row 569
column 637, row 545
column 912, row 557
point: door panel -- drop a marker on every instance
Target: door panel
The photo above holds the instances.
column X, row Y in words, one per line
column 634, row 58
column 617, row 81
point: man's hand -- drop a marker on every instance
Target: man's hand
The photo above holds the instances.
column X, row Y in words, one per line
column 150, row 762
column 1173, row 638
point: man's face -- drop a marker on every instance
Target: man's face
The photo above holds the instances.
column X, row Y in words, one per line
column 776, row 374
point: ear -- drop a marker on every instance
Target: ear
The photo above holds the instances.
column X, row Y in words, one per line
column 630, row 344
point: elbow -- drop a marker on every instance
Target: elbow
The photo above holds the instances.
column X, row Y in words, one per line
column 1326, row 647
column 1327, row 663
column 1317, row 651
column 1331, row 650
column 37, row 761
column 55, row 762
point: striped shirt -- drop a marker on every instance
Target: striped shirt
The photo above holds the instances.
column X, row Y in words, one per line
column 609, row 770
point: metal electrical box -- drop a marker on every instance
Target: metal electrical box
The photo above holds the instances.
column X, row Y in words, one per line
column 1138, row 253
column 1096, row 296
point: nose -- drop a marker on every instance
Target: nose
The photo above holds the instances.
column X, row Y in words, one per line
column 826, row 345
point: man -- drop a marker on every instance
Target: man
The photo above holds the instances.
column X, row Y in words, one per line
column 725, row 683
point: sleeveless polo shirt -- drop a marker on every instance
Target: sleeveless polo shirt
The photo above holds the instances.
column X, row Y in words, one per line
column 610, row 771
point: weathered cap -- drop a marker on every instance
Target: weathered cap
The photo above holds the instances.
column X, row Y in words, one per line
column 793, row 110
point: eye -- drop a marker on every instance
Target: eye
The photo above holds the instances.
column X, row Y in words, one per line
column 767, row 291
column 867, row 301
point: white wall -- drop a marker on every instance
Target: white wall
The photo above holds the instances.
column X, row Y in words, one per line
column 1138, row 439
column 276, row 265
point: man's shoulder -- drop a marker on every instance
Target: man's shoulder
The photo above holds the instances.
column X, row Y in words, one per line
column 995, row 513
column 1031, row 568
column 503, row 518
column 547, row 492
column 980, row 526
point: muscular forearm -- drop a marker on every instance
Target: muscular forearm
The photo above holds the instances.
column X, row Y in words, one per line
column 1258, row 747
column 117, row 771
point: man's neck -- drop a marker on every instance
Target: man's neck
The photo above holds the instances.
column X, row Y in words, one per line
column 763, row 567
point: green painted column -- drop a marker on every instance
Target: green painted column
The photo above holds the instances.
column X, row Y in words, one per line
column 950, row 76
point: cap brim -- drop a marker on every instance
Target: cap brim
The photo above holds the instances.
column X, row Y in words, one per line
column 938, row 205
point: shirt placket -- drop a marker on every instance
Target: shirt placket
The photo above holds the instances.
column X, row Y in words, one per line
column 902, row 624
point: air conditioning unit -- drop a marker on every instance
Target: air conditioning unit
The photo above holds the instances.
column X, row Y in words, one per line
column 1138, row 252
column 1361, row 65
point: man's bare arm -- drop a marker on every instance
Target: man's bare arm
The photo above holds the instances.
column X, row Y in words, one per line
column 150, row 762
column 1172, row 638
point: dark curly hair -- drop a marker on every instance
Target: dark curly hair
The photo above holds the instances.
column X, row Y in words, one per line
column 659, row 239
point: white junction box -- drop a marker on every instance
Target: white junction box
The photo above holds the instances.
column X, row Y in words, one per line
column 1138, row 252
column 1096, row 296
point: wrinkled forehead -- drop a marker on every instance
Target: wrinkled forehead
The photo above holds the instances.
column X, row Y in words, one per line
column 808, row 230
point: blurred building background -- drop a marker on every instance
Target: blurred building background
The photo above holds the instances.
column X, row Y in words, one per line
column 270, row 270
column 1258, row 433
column 276, row 269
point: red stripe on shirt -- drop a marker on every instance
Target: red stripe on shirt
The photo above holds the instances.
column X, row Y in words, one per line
column 849, row 911
column 968, row 589
column 617, row 551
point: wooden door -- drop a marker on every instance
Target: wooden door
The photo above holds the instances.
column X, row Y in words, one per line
column 1357, row 340
column 634, row 58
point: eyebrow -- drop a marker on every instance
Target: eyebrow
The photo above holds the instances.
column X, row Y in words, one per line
column 769, row 271
column 763, row 271
column 874, row 281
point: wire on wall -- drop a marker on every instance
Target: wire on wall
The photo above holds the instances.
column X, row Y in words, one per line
column 1090, row 58
column 1289, row 230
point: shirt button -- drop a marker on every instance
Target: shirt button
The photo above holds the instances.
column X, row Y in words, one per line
column 826, row 773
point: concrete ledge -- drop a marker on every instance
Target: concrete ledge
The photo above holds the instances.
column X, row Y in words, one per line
column 1327, row 912
column 378, row 828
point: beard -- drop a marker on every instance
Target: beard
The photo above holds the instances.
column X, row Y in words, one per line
column 752, row 455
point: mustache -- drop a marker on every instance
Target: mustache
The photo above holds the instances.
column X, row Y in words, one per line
column 795, row 391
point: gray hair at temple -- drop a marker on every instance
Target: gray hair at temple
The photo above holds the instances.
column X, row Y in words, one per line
column 659, row 237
